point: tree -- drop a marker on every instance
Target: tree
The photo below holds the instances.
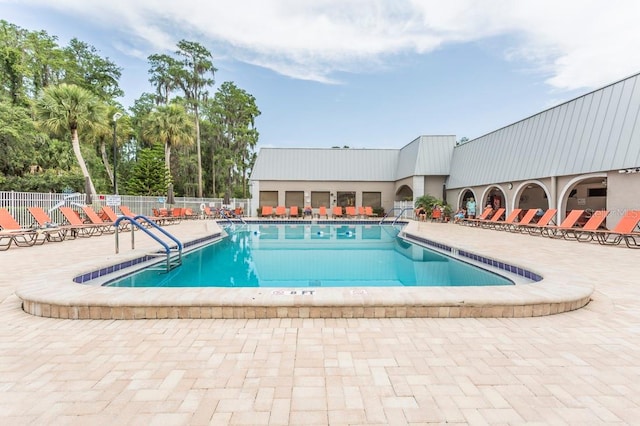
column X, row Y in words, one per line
column 192, row 79
column 70, row 108
column 149, row 176
column 233, row 113
column 170, row 125
column 164, row 71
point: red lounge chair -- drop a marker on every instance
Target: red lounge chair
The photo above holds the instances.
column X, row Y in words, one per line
column 336, row 212
column 267, row 211
column 350, row 211
column 625, row 231
column 322, row 211
column 281, row 211
column 12, row 233
column 436, row 215
column 594, row 223
column 368, row 211
column 495, row 219
column 567, row 224
column 509, row 221
column 536, row 228
column 482, row 218
column 95, row 219
column 293, row 211
column 78, row 227
column 54, row 232
column 361, row 212
column 526, row 219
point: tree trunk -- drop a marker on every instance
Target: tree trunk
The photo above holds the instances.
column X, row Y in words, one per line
column 75, row 143
column 198, row 150
column 105, row 160
column 167, row 156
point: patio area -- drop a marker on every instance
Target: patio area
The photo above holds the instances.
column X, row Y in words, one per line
column 578, row 367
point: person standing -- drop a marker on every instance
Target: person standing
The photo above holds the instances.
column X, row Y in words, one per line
column 471, row 208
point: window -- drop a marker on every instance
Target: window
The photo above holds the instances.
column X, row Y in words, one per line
column 597, row 192
column 319, row 199
column 268, row 198
column 373, row 199
column 294, row 198
column 346, row 199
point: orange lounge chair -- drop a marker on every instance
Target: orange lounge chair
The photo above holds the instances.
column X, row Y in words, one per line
column 509, row 221
column 13, row 233
column 594, row 223
column 526, row 219
column 475, row 221
column 54, row 232
column 436, row 215
column 536, row 228
column 78, row 227
column 625, row 231
column 267, row 211
column 350, row 211
column 95, row 219
column 368, row 211
column 361, row 212
column 336, row 212
column 495, row 219
column 567, row 224
column 293, row 211
column 281, row 211
column 322, row 211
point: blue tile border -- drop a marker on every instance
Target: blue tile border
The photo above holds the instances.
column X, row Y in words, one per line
column 88, row 276
column 478, row 258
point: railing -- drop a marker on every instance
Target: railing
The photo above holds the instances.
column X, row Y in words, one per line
column 18, row 202
column 398, row 216
column 135, row 222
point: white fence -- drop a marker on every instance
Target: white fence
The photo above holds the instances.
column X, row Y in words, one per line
column 18, row 202
column 406, row 207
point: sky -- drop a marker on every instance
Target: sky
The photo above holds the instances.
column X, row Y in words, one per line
column 366, row 73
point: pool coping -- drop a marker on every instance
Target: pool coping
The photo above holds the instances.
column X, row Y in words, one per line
column 556, row 292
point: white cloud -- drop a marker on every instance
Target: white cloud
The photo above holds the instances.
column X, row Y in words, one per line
column 575, row 43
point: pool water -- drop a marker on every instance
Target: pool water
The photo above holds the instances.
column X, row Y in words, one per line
column 314, row 255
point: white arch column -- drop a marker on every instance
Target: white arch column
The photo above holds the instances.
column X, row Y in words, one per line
column 418, row 187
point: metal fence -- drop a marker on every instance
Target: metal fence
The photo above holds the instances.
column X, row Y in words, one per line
column 18, row 202
column 400, row 206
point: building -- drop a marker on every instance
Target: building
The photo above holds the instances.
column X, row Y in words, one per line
column 582, row 154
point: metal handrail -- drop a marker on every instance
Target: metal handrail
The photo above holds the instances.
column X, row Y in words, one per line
column 135, row 221
column 397, row 217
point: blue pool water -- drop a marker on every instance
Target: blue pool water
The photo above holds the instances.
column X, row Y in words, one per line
column 309, row 255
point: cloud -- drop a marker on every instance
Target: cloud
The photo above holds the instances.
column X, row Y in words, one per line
column 573, row 43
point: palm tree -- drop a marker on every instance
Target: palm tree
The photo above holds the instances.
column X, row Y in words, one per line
column 68, row 107
column 171, row 125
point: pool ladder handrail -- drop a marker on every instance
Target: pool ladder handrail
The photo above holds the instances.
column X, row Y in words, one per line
column 167, row 249
column 229, row 219
column 397, row 217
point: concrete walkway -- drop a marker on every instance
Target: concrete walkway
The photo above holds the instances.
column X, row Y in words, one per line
column 580, row 367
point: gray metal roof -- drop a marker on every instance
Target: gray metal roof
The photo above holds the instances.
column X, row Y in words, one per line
column 595, row 132
column 426, row 156
column 342, row 164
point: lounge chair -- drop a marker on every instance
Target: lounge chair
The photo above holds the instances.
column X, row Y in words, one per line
column 350, row 211
column 368, row 211
column 293, row 211
column 436, row 214
column 54, row 232
column 561, row 230
column 77, row 226
column 625, row 231
column 361, row 212
column 13, row 233
column 536, row 228
column 476, row 221
column 336, row 212
column 322, row 211
column 95, row 219
column 526, row 219
column 267, row 211
column 509, row 221
column 281, row 211
column 156, row 219
column 594, row 223
column 495, row 219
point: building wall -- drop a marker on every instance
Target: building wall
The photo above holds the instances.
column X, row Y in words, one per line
column 623, row 193
column 387, row 190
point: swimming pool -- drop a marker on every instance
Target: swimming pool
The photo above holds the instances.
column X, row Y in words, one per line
column 314, row 255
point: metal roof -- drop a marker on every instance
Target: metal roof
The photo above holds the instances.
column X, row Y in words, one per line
column 341, row 164
column 426, row 156
column 595, row 132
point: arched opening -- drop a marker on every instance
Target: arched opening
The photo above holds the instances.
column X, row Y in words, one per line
column 465, row 196
column 494, row 198
column 404, row 193
column 531, row 195
column 588, row 193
